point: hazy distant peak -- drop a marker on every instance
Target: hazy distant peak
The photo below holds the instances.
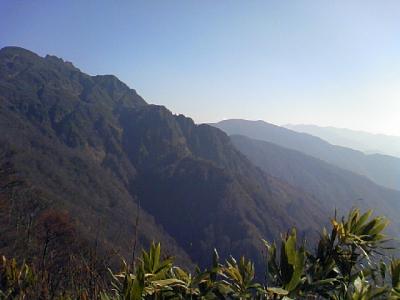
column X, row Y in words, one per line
column 338, row 129
column 245, row 121
column 360, row 140
column 384, row 170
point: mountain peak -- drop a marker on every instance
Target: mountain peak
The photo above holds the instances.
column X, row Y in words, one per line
column 17, row 50
column 57, row 60
column 44, row 74
column 17, row 56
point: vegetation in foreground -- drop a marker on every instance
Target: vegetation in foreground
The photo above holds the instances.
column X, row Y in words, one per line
column 348, row 262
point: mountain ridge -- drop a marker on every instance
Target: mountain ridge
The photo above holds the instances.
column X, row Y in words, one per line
column 105, row 156
column 382, row 169
column 340, row 189
column 369, row 143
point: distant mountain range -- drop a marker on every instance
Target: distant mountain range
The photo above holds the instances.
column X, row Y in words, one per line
column 382, row 169
column 359, row 140
column 91, row 146
column 338, row 188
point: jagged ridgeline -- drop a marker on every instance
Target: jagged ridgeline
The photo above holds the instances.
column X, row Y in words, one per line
column 87, row 153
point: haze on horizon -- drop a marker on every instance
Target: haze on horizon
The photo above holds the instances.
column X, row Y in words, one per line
column 310, row 62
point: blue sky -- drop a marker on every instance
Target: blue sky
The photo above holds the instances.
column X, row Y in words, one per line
column 331, row 63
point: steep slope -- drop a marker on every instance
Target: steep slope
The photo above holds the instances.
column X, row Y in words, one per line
column 384, row 170
column 57, row 133
column 97, row 150
column 359, row 140
column 338, row 188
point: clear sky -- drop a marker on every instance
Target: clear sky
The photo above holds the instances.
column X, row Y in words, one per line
column 331, row 63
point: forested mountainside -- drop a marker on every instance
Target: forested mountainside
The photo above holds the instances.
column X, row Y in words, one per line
column 383, row 169
column 89, row 154
column 340, row 189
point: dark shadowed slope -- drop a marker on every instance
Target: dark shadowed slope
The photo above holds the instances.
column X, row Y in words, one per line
column 337, row 188
column 91, row 146
column 384, row 170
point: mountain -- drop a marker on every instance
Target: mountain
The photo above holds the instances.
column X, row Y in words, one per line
column 382, row 169
column 338, row 188
column 88, row 152
column 363, row 141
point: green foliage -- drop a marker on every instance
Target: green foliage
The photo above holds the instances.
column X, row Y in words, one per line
column 240, row 279
column 361, row 232
column 395, row 278
column 363, row 290
column 288, row 270
column 16, row 282
column 153, row 277
column 343, row 267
